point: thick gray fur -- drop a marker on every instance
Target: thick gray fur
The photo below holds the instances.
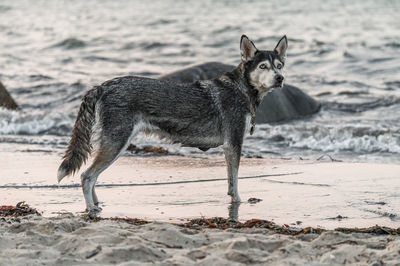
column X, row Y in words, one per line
column 203, row 114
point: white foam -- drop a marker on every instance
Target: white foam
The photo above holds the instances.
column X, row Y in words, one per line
column 335, row 138
column 34, row 122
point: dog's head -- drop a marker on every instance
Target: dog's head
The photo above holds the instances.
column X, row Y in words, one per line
column 262, row 68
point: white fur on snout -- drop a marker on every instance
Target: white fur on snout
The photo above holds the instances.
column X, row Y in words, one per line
column 263, row 79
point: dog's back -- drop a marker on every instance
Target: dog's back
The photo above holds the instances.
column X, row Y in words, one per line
column 184, row 113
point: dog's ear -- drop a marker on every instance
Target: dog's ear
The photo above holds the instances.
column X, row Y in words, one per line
column 281, row 47
column 247, row 48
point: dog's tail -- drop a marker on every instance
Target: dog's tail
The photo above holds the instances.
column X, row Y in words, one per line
column 79, row 146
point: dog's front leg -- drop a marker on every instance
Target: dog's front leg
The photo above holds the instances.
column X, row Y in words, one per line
column 232, row 157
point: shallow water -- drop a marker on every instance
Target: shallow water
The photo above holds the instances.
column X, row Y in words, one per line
column 345, row 54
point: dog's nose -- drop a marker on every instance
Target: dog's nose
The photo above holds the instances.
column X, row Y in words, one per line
column 279, row 78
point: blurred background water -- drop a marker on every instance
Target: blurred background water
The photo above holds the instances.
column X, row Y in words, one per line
column 346, row 54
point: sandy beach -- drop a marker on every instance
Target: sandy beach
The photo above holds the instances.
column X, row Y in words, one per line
column 171, row 190
column 69, row 240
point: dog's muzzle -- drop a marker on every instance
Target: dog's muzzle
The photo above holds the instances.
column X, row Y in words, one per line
column 279, row 80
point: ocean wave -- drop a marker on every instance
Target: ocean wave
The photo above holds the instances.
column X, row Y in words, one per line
column 306, row 135
column 153, row 45
column 392, row 85
column 34, row 122
column 4, row 8
column 393, row 44
column 162, row 21
column 334, row 138
column 228, row 28
column 41, row 141
column 39, row 77
column 106, row 59
column 361, row 107
column 70, row 43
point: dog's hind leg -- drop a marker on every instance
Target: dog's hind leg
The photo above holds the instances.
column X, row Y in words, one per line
column 110, row 148
column 104, row 158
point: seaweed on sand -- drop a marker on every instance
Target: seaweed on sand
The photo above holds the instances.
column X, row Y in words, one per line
column 21, row 209
column 376, row 230
column 223, row 223
column 133, row 221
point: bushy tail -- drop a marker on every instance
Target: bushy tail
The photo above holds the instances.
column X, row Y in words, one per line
column 79, row 146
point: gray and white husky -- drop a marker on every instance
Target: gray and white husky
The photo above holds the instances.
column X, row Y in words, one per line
column 204, row 114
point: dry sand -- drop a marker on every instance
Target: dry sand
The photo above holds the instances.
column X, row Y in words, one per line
column 69, row 240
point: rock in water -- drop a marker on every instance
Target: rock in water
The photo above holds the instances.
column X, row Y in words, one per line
column 6, row 100
column 279, row 105
column 209, row 70
column 286, row 103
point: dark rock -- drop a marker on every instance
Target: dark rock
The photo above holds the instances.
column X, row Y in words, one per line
column 286, row 103
column 253, row 200
column 279, row 105
column 209, row 70
column 6, row 100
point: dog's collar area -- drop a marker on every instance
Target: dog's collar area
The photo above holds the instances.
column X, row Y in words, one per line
column 252, row 109
column 253, row 92
column 232, row 81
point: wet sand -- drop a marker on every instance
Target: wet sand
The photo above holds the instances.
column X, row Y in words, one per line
column 176, row 188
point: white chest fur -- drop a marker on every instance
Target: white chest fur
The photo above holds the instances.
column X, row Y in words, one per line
column 248, row 123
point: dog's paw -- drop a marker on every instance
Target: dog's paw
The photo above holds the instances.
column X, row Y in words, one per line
column 94, row 208
column 93, row 211
column 98, row 209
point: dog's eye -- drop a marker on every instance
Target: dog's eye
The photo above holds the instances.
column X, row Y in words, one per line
column 263, row 66
column 279, row 66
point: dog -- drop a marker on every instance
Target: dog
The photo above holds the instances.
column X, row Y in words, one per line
column 203, row 114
